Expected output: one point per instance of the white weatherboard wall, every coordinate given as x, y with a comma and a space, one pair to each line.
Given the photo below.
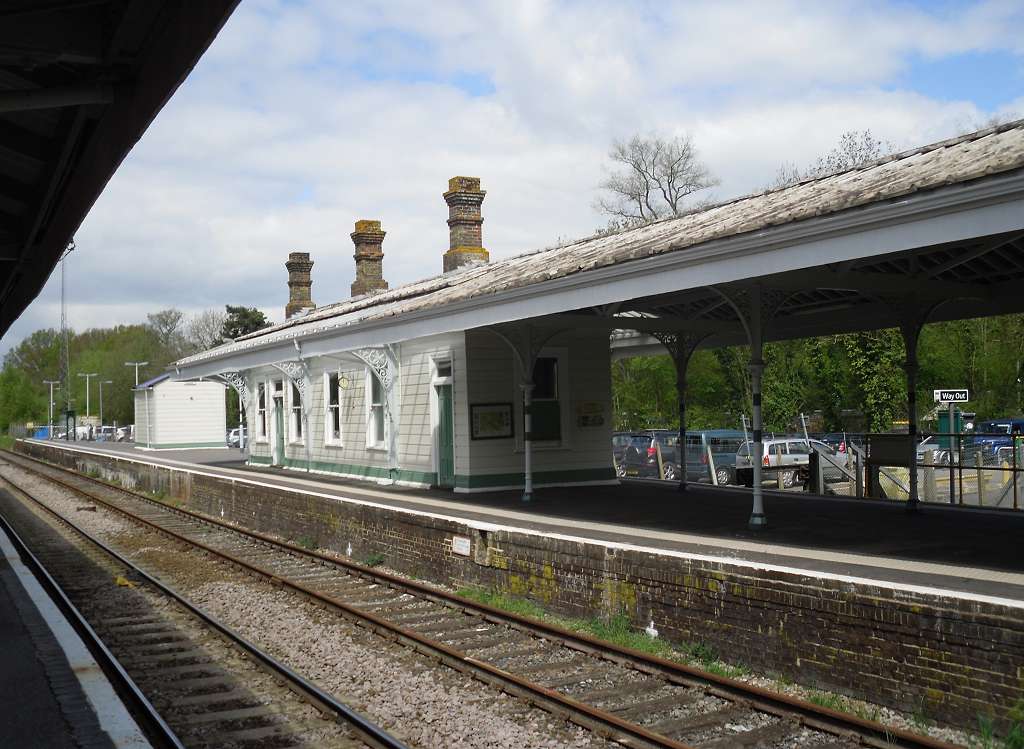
584, 453
180, 415
352, 457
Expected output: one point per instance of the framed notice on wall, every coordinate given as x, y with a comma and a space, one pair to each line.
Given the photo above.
490, 421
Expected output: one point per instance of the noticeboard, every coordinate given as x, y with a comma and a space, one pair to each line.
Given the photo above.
891, 450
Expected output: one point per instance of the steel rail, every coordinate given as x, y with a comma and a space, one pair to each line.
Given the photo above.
871, 733
367, 731
555, 702
139, 706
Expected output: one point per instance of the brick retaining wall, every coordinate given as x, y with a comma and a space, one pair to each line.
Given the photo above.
949, 658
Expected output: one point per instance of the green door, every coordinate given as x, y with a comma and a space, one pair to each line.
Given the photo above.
278, 432
445, 438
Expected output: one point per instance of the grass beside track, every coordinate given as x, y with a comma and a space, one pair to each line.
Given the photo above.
618, 630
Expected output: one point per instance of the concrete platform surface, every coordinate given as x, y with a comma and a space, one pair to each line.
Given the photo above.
52, 692
950, 550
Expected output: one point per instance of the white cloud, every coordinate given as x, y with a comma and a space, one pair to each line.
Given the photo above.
303, 118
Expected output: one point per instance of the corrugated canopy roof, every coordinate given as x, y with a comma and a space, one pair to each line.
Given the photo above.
958, 160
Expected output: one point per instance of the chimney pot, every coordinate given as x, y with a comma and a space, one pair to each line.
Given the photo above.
369, 258
464, 197
299, 284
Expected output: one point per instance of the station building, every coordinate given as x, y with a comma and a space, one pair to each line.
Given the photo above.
497, 374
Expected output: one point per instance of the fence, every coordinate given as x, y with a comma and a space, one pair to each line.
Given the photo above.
969, 468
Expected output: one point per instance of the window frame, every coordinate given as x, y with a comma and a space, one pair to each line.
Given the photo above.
295, 434
262, 426
330, 440
561, 354
372, 443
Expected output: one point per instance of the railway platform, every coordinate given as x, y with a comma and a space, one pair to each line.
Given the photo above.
939, 549
52, 691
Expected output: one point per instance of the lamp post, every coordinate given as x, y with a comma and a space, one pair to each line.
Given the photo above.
136, 364
52, 384
87, 376
102, 383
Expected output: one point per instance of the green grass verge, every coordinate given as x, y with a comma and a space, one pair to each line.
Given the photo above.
6, 442
616, 630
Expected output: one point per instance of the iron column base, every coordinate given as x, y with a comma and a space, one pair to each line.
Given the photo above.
758, 522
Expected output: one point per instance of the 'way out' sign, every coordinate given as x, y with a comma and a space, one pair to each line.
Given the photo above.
950, 396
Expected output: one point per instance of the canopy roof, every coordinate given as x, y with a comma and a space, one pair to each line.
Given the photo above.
79, 84
663, 273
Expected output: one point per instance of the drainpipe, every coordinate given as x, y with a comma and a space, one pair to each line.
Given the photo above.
149, 423
527, 440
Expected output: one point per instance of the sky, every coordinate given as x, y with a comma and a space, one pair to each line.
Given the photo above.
304, 117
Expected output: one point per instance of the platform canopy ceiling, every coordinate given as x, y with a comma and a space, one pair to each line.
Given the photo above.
80, 81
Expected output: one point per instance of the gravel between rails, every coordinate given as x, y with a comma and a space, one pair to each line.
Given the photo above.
425, 704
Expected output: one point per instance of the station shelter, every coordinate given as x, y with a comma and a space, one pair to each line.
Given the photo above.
497, 374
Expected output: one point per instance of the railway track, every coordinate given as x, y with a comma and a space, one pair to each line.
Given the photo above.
626, 696
191, 680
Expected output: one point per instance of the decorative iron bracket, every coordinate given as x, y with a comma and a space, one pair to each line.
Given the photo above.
298, 373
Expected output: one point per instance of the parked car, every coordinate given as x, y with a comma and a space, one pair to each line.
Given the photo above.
237, 437
723, 444
995, 438
106, 434
640, 456
126, 433
620, 441
788, 456
840, 442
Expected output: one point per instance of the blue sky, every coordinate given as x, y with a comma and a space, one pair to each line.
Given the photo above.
304, 117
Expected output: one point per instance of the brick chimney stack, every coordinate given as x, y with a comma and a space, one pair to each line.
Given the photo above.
464, 197
299, 300
369, 256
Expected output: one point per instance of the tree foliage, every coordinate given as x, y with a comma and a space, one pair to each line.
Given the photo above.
651, 178
855, 148
242, 320
165, 337
855, 380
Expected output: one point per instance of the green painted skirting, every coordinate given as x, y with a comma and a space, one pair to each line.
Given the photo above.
579, 475
351, 469
479, 481
179, 445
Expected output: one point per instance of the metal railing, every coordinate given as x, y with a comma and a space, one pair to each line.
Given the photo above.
981, 469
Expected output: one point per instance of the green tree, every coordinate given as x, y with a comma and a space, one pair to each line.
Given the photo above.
242, 320
875, 360
20, 400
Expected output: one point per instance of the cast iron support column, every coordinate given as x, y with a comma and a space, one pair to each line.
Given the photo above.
527, 439
758, 519
681, 347
910, 365
681, 447
911, 316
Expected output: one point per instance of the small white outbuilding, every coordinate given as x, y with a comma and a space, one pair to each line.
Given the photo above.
172, 415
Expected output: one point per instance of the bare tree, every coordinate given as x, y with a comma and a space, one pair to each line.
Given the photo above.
855, 148
203, 330
166, 325
652, 178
